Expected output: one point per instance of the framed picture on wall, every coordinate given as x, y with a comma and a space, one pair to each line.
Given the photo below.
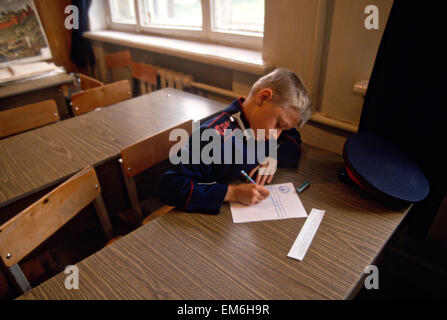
22, 37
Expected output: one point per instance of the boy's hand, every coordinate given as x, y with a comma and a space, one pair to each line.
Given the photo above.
246, 193
266, 171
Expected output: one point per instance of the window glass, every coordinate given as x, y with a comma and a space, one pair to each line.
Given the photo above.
123, 11
238, 15
182, 13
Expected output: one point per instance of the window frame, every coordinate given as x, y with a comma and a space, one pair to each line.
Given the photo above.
206, 33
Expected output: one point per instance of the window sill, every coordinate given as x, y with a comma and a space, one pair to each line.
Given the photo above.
244, 60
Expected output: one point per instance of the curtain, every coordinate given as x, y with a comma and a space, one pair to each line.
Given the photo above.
405, 101
81, 49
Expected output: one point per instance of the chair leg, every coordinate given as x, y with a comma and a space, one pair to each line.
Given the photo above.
133, 196
103, 216
17, 274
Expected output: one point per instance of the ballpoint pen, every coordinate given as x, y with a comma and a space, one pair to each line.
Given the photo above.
302, 187
246, 176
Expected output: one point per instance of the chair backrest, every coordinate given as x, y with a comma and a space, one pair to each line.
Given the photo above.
147, 76
150, 151
143, 155
82, 82
23, 233
119, 59
88, 82
103, 96
28, 117
118, 64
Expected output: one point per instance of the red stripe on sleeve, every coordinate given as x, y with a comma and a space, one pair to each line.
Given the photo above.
296, 143
190, 194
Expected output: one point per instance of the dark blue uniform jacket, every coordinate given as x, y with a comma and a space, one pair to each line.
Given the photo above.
202, 187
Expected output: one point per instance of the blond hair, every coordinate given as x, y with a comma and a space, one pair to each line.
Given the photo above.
288, 91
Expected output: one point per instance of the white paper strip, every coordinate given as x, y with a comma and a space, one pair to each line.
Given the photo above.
306, 235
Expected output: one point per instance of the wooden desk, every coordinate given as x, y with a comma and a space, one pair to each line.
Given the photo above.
197, 256
39, 158
31, 91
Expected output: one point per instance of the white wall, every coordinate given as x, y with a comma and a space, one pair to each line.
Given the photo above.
326, 43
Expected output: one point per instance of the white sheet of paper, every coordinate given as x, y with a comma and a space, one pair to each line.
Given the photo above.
25, 71
283, 203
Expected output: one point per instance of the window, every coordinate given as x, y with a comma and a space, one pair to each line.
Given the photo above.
239, 22
123, 11
184, 13
239, 15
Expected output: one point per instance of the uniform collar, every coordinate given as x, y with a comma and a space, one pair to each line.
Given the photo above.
241, 119
238, 103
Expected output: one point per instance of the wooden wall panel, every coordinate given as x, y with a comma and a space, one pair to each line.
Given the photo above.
52, 16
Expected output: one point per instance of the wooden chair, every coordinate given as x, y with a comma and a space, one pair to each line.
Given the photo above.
103, 96
81, 82
146, 75
26, 231
88, 82
28, 117
119, 64
143, 155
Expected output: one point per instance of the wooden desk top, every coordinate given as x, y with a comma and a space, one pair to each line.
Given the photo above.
198, 256
32, 85
37, 159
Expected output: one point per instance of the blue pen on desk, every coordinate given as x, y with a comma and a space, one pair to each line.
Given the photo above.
246, 176
303, 186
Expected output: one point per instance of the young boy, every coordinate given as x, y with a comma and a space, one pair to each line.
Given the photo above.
278, 102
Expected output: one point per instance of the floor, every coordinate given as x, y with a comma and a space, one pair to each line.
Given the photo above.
410, 269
